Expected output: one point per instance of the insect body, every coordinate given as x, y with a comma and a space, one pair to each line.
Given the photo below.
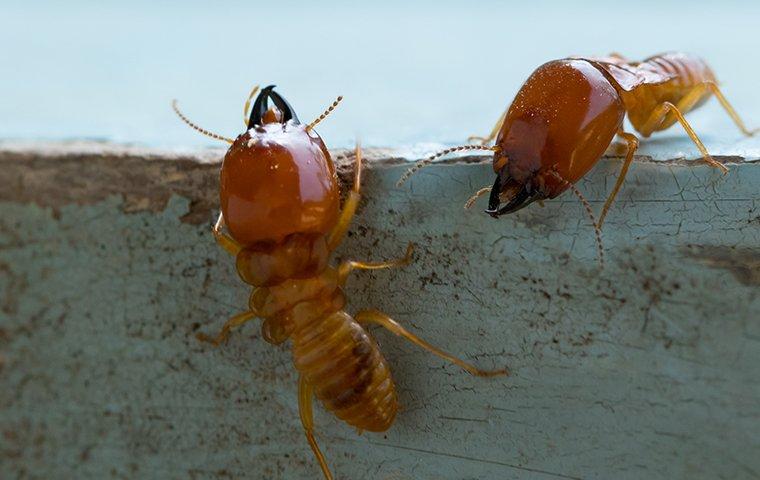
280, 203
568, 112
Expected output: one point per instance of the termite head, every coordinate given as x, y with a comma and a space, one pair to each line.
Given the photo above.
277, 177
279, 191
560, 123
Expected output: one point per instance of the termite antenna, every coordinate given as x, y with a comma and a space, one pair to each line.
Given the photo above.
325, 114
587, 206
597, 230
247, 105
471, 201
196, 127
424, 163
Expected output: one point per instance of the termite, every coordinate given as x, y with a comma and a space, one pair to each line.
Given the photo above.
567, 113
280, 206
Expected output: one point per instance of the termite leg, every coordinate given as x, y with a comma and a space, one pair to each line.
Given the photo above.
349, 207
225, 241
305, 395
224, 333
379, 318
347, 267
664, 117
730, 110
633, 144
494, 131
658, 119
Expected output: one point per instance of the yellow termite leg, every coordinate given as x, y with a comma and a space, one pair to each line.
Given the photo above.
694, 138
224, 333
379, 318
225, 241
730, 110
471, 201
633, 144
494, 131
658, 120
349, 207
347, 267
305, 395
664, 117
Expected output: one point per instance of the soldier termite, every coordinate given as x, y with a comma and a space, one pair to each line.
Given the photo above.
280, 204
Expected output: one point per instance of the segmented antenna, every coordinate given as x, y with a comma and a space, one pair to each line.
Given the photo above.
196, 127
325, 114
587, 206
247, 105
423, 163
471, 201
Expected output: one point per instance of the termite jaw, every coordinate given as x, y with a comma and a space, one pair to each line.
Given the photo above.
262, 113
514, 195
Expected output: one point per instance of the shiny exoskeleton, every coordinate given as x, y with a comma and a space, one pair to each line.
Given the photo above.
281, 206
568, 112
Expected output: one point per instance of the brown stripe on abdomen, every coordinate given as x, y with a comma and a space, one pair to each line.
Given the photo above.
686, 70
348, 372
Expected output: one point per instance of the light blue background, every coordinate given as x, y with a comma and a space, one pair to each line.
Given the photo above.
429, 72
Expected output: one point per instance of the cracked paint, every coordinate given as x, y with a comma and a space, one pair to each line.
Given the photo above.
631, 372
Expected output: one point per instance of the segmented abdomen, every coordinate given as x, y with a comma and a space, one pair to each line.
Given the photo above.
348, 372
330, 349
646, 86
683, 70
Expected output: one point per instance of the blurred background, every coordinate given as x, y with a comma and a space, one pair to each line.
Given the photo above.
432, 71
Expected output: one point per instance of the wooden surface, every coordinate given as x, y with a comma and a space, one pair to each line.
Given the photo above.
648, 369
420, 72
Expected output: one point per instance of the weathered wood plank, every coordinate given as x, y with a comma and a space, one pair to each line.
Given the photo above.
648, 369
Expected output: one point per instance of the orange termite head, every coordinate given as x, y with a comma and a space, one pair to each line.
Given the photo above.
558, 126
277, 177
